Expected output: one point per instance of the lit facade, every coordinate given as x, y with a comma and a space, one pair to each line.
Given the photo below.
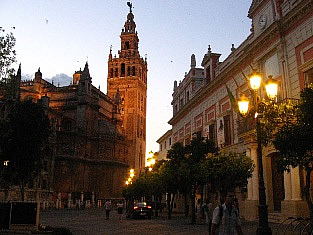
165, 144
281, 45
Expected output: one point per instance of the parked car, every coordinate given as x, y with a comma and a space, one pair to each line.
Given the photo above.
142, 210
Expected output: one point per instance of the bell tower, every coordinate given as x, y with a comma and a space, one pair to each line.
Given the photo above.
127, 76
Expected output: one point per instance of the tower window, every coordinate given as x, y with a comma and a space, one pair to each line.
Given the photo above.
116, 72
111, 73
126, 45
128, 71
123, 70
134, 71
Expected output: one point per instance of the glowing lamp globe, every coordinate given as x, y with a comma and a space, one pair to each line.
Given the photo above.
255, 80
271, 88
243, 105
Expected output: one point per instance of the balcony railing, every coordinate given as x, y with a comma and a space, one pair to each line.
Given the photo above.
246, 125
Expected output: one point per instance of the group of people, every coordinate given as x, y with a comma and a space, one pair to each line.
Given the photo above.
108, 208
224, 219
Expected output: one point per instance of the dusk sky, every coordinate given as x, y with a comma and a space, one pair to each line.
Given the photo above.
59, 36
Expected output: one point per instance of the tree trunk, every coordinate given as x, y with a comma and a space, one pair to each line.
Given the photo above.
186, 205
168, 202
22, 189
201, 195
160, 203
156, 214
193, 208
172, 201
307, 192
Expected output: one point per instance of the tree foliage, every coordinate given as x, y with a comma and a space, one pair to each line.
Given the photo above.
226, 171
7, 54
190, 167
295, 142
24, 138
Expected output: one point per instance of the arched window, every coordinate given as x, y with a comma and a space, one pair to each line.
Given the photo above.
126, 45
123, 70
134, 71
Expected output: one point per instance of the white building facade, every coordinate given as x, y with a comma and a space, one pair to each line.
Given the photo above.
281, 45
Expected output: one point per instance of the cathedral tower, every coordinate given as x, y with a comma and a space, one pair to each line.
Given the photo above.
127, 76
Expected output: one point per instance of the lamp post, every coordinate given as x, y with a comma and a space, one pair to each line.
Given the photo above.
131, 176
150, 161
243, 104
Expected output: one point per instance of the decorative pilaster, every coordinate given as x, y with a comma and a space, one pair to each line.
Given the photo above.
295, 183
287, 185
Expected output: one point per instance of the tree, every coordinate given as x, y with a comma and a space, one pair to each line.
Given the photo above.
294, 141
226, 171
7, 55
24, 141
196, 155
175, 175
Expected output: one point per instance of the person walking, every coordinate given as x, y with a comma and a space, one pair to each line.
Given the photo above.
120, 206
108, 208
198, 212
226, 218
210, 215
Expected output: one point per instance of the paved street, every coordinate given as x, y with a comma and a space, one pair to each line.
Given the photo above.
92, 221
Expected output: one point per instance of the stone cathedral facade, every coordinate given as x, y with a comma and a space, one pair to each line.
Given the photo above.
96, 137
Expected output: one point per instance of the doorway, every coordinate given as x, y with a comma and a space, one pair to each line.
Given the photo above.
277, 182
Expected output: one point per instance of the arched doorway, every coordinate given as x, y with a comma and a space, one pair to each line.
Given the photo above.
277, 183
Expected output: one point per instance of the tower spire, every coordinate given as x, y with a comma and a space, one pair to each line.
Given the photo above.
130, 25
130, 6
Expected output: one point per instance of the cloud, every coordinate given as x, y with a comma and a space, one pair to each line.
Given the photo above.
27, 77
62, 79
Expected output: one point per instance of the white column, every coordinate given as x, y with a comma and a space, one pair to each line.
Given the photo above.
287, 185
295, 184
255, 177
250, 188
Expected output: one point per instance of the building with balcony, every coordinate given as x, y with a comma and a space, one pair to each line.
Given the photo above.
280, 45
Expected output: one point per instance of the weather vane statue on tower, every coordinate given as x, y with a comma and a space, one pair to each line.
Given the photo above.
130, 6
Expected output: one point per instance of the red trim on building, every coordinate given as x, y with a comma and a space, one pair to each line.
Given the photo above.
308, 56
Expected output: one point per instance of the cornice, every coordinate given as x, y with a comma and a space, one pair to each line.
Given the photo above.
250, 51
303, 8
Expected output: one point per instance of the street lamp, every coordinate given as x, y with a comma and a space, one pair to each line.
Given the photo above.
131, 176
150, 161
271, 88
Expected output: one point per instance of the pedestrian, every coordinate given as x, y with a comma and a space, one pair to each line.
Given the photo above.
226, 218
198, 211
204, 210
236, 204
120, 206
210, 215
108, 208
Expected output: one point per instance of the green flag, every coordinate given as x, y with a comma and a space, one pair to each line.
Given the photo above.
232, 99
